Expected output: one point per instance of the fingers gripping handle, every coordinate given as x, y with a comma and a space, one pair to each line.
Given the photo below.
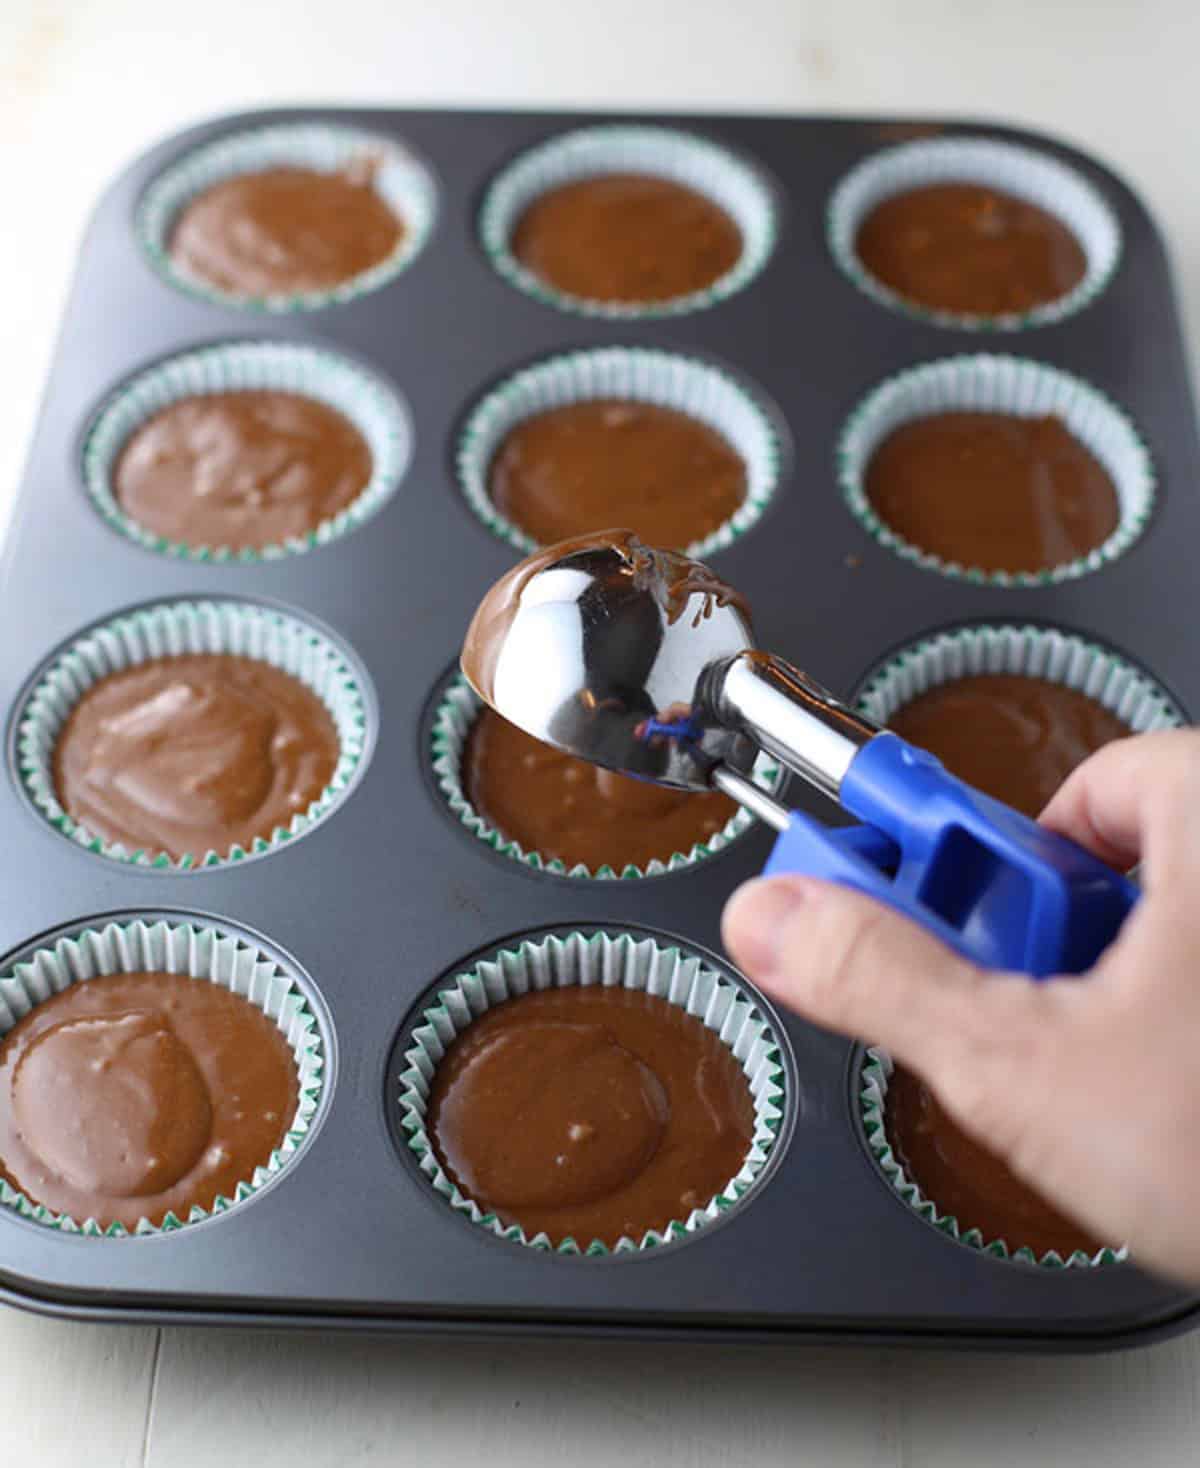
859, 857
983, 878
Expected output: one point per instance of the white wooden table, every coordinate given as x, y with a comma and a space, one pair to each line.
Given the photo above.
85, 84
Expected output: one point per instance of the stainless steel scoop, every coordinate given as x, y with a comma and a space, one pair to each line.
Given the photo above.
644, 662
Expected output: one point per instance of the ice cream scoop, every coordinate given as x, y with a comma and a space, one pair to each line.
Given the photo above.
643, 661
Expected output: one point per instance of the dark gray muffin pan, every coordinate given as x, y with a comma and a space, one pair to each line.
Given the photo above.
392, 893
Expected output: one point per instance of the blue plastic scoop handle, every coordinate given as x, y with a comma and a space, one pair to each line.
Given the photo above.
985, 879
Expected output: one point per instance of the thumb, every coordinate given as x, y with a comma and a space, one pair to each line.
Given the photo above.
848, 962
984, 1041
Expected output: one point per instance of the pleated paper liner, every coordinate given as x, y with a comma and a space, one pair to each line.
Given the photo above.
1034, 652
637, 374
401, 180
208, 955
615, 960
679, 157
173, 629
1010, 168
1023, 389
242, 366
872, 1093
453, 719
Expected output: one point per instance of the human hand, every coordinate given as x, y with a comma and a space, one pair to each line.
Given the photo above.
1088, 1086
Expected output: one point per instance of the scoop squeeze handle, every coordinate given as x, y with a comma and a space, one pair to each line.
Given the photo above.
982, 877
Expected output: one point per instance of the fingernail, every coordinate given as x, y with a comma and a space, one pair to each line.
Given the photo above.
754, 921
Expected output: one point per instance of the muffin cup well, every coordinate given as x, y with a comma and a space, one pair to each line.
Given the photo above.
1023, 389
873, 1079
1035, 177
641, 375
171, 629
615, 961
680, 157
250, 366
401, 181
207, 955
457, 711
1025, 651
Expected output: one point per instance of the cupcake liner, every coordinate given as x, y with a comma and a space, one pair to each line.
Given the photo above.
1032, 652
1023, 172
366, 400
170, 629
403, 183
1024, 389
615, 961
873, 1083
208, 955
641, 375
457, 711
678, 156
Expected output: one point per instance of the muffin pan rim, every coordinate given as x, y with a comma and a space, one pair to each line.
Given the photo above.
493, 399
842, 248
273, 125
1173, 708
327, 804
96, 472
851, 487
772, 776
870, 1114
724, 971
494, 227
324, 1047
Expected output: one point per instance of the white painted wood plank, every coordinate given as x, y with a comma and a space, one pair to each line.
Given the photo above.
273, 1401
1134, 1408
71, 1393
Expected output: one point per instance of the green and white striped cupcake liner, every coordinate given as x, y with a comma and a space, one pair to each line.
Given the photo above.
244, 366
401, 180
1024, 651
208, 955
681, 157
638, 374
1035, 177
1023, 389
173, 629
456, 713
614, 960
873, 1080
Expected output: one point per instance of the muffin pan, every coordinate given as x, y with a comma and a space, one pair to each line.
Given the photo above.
390, 899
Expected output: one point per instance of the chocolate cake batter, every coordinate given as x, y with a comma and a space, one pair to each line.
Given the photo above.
1012, 737
970, 249
136, 1095
992, 491
567, 808
192, 754
626, 237
963, 1178
286, 231
590, 1113
584, 466
241, 470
